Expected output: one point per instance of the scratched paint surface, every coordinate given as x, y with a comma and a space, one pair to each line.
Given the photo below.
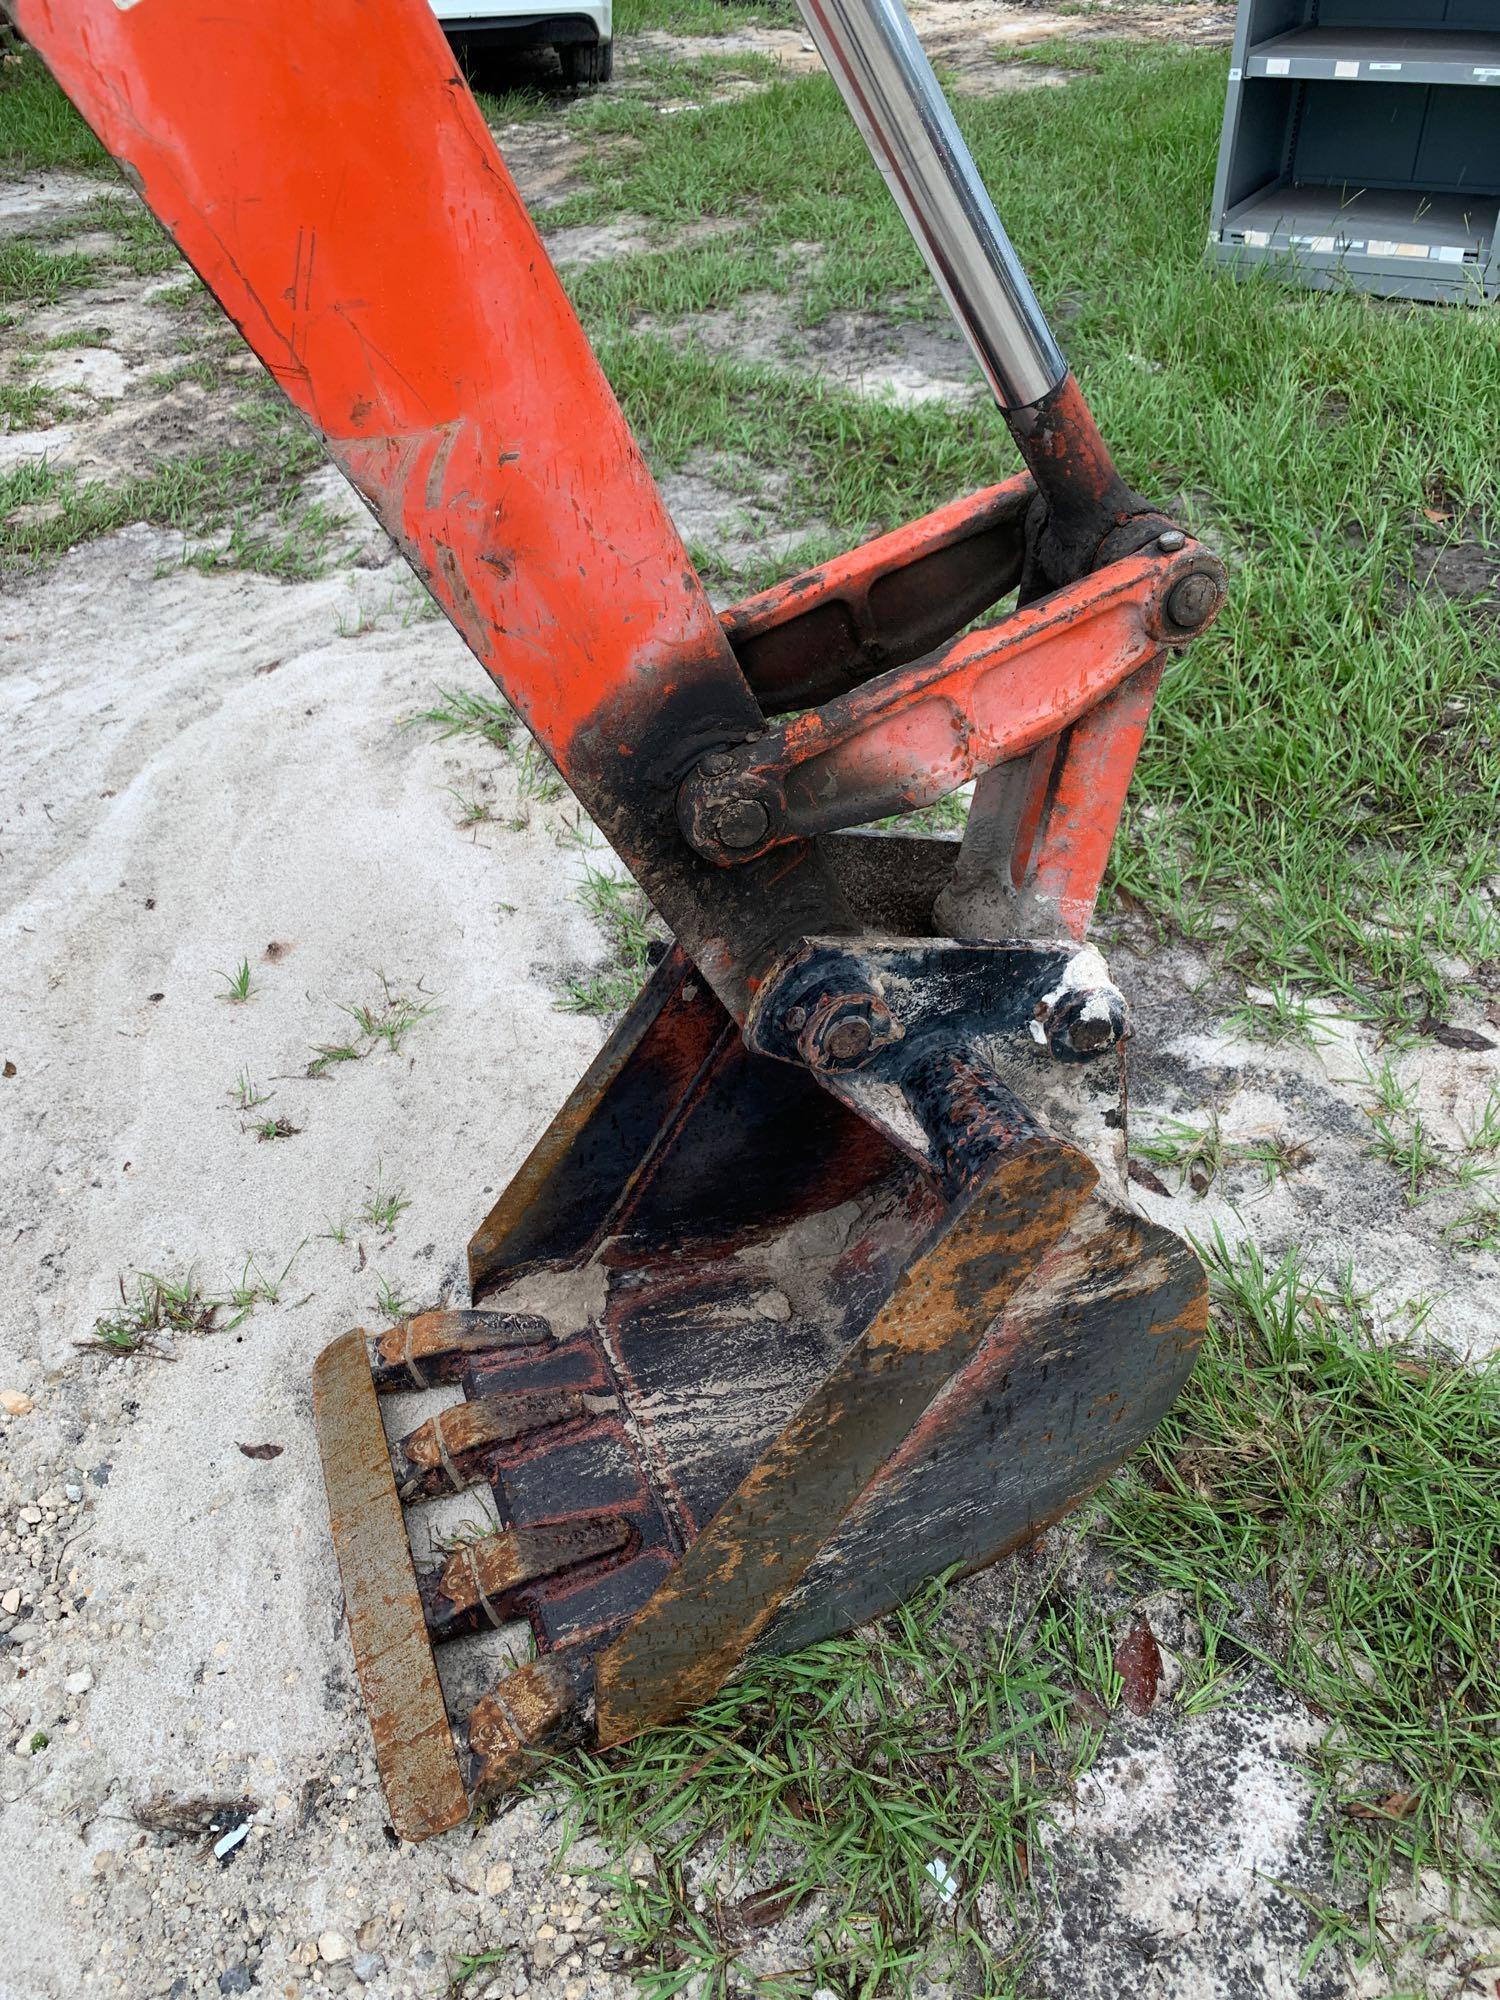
326, 172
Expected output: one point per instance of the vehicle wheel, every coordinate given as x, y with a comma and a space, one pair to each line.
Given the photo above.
587, 64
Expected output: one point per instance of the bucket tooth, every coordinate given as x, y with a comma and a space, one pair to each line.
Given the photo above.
511, 1730
453, 1450
433, 1347
484, 1582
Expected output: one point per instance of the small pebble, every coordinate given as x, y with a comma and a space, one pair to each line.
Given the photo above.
16, 1403
79, 1683
333, 1947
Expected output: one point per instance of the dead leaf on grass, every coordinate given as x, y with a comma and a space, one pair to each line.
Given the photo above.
1395, 1805
1138, 1663
1450, 1037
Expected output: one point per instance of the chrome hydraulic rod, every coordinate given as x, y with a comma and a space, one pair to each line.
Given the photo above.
884, 77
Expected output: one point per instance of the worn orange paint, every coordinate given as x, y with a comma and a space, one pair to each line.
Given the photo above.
326, 172
1087, 796
916, 733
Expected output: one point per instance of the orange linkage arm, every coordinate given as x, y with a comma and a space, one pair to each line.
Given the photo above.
909, 737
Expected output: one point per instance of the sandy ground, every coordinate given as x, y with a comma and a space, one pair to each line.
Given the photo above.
201, 769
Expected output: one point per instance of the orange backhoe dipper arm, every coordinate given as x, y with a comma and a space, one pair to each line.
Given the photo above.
326, 172
855, 1316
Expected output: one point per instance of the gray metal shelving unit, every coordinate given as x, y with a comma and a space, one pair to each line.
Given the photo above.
1361, 146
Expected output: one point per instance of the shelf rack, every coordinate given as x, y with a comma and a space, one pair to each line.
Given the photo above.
1361, 146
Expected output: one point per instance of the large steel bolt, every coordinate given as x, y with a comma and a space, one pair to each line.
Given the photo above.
741, 823
1193, 600
841, 1030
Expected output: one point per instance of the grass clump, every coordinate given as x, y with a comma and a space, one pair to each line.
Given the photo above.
275, 1128
32, 276
384, 1206
152, 1317
383, 1023
459, 712
38, 126
884, 1782
1200, 1153
702, 17
251, 494
632, 930
1350, 1493
238, 985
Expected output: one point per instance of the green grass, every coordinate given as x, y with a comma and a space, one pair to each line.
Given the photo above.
247, 1094
382, 1023
390, 1301
1334, 1503
1328, 1505
158, 1310
844, 1773
24, 405
38, 126
462, 712
238, 985
621, 910
1200, 1153
702, 17
32, 276
1304, 433
251, 493
383, 1207
275, 1128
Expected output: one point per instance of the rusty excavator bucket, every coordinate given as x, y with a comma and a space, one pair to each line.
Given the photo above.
796, 1303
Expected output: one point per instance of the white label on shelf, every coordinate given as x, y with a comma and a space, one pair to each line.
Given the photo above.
1257, 238
1278, 65
1447, 253
1378, 247
1408, 249
1486, 75
1343, 70
1393, 68
1236, 75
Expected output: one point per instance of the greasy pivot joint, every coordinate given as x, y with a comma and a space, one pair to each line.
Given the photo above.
842, 1030
722, 811
1081, 1022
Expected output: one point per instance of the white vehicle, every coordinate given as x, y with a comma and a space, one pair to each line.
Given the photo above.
580, 30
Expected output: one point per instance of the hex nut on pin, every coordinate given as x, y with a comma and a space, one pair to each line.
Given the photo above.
740, 823
841, 1030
